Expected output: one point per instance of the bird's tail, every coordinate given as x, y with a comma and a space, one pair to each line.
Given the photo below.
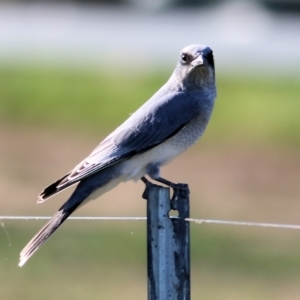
40, 238
88, 189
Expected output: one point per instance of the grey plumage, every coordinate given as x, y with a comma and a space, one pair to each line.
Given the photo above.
161, 129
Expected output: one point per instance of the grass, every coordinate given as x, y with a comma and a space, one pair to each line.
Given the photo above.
247, 109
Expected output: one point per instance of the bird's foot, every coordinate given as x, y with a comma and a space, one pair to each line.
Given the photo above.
179, 190
148, 185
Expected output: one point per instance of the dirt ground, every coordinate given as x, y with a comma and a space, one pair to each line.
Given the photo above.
234, 182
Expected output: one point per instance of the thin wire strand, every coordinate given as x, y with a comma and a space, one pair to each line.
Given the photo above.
197, 221
74, 218
237, 223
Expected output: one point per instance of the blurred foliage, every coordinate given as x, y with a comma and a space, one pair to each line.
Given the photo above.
248, 108
80, 99
259, 109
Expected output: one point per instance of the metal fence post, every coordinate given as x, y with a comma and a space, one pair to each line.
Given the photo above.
168, 245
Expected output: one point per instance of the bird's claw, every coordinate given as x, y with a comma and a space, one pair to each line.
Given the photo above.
179, 189
148, 184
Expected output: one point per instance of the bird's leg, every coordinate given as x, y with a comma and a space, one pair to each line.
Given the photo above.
166, 182
148, 184
178, 189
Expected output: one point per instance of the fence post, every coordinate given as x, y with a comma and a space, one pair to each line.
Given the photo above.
168, 245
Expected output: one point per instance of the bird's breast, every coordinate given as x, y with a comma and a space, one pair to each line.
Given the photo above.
163, 153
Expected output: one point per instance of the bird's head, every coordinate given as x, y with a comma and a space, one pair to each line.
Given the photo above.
195, 69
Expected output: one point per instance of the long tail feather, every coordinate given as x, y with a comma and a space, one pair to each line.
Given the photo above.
40, 238
95, 186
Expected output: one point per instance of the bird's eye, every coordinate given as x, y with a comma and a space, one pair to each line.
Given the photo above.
184, 57
210, 58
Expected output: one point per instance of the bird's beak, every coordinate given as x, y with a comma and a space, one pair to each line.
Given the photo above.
198, 61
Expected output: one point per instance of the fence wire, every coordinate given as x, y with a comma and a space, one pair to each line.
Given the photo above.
192, 220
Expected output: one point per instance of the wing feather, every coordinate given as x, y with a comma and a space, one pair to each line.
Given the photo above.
156, 121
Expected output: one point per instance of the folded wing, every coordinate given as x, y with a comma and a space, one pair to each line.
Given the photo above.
156, 121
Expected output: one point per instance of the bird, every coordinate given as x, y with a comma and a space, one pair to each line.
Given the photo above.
166, 125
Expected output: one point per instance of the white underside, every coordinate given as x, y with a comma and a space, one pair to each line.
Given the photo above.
135, 168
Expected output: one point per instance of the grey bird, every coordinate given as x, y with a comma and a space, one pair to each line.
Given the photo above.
166, 125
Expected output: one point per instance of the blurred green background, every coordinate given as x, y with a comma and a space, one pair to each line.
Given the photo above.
70, 74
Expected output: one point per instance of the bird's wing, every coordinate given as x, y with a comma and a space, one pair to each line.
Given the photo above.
156, 121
